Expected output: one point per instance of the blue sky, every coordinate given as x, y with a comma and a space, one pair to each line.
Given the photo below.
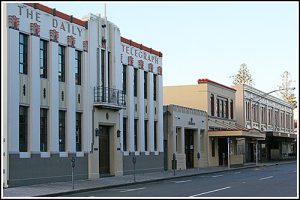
209, 39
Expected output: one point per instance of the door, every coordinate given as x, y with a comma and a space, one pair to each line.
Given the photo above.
223, 151
189, 148
104, 150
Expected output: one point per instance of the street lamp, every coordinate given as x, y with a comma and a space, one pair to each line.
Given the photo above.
293, 88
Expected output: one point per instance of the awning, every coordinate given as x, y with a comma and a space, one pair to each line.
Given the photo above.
249, 133
283, 135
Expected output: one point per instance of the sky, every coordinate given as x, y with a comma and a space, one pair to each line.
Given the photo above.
209, 39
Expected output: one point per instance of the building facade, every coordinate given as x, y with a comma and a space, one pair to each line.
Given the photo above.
273, 116
225, 134
76, 88
185, 137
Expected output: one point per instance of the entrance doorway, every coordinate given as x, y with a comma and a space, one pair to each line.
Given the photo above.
251, 152
104, 151
223, 151
189, 148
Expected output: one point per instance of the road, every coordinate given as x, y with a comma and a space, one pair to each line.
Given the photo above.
269, 181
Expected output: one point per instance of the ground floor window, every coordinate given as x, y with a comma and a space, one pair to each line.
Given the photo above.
23, 129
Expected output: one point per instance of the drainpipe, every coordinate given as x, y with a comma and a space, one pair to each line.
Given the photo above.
92, 145
228, 150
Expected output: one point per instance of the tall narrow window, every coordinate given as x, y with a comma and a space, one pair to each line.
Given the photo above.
124, 79
222, 108
43, 130
135, 82
77, 67
124, 134
62, 138
218, 107
212, 105
23, 49
23, 128
145, 85
226, 109
231, 109
78, 132
61, 63
146, 135
43, 58
102, 71
154, 87
135, 134
155, 135
108, 70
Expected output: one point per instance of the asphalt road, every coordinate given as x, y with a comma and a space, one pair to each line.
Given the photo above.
270, 181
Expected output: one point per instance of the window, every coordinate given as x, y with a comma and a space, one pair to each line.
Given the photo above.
155, 135
135, 134
218, 107
43, 59
145, 85
222, 108
23, 49
226, 109
102, 72
135, 82
43, 130
23, 128
108, 70
61, 63
231, 109
154, 87
270, 115
282, 120
77, 67
62, 139
247, 111
212, 105
124, 79
78, 131
146, 136
124, 134
213, 148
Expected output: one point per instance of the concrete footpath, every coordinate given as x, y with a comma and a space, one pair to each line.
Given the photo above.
62, 188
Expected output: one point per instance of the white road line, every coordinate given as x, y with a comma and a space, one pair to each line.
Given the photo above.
210, 191
266, 178
129, 190
237, 172
182, 181
217, 175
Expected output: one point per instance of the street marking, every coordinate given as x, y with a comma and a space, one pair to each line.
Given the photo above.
266, 177
244, 182
237, 172
210, 191
133, 189
217, 175
295, 171
182, 181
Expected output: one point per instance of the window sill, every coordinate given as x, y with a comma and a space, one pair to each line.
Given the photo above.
79, 154
25, 155
63, 154
45, 154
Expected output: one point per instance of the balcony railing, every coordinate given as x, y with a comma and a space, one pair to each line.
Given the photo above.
109, 97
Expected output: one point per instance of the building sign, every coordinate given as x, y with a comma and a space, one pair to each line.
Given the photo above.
139, 54
60, 25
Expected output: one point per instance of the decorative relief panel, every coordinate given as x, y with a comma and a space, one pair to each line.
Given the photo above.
54, 35
71, 41
13, 22
85, 46
35, 29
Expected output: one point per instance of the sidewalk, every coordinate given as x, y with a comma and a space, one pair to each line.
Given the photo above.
60, 188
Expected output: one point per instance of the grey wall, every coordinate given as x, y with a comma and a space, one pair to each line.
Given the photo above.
35, 170
144, 163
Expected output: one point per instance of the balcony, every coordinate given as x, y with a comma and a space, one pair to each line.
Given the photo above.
109, 98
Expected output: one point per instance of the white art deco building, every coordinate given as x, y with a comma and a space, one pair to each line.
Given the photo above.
76, 88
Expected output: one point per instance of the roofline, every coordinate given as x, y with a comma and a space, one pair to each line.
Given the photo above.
57, 13
140, 46
206, 80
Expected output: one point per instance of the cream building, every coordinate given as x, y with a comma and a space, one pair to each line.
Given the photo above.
185, 136
76, 88
271, 115
219, 102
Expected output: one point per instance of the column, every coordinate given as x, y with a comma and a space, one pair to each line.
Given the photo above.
13, 90
71, 101
181, 140
87, 100
130, 107
197, 148
34, 80
150, 112
54, 98
141, 110
159, 107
